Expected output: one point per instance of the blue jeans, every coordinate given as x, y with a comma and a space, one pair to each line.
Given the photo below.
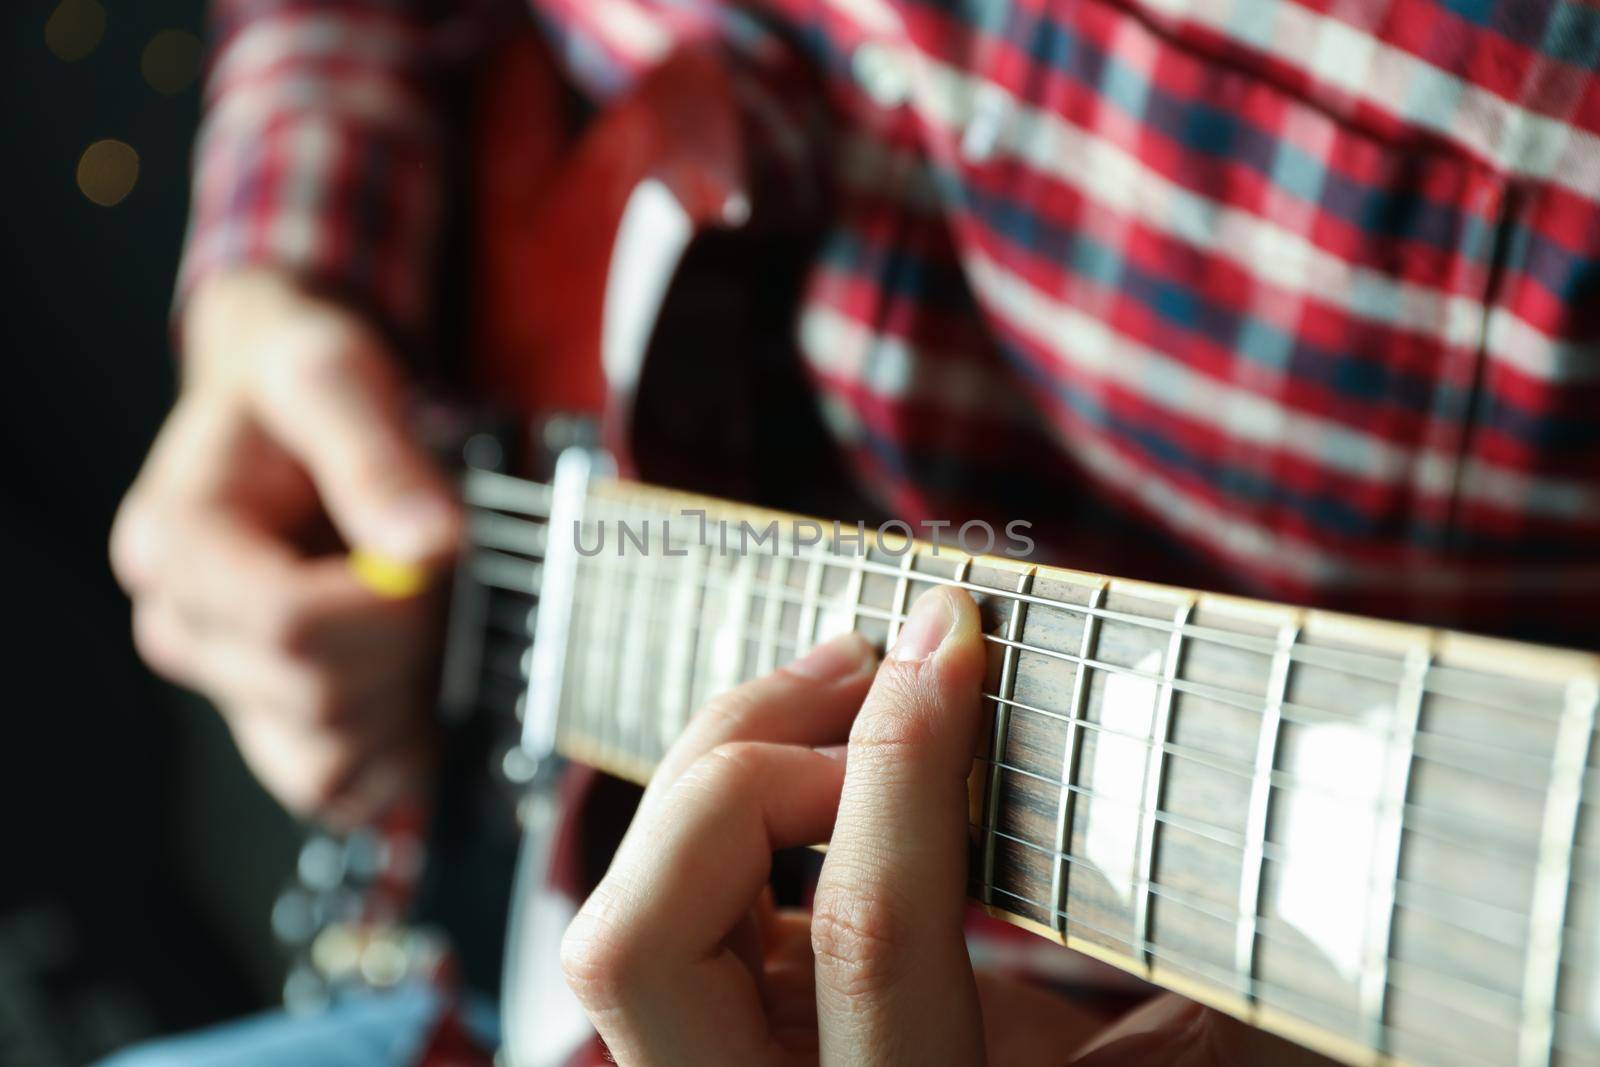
359, 1030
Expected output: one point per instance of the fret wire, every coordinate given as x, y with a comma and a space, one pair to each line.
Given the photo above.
714, 588
625, 710
1384, 668
1469, 837
1279, 779
1289, 712
698, 576
1154, 779
661, 621
613, 601
1002, 718
1060, 883
1223, 764
1288, 780
628, 729
1221, 835
1253, 868
586, 596
1215, 973
853, 589
575, 684
806, 635
631, 715
1295, 713
788, 638
737, 618
902, 589
1429, 746
644, 666
1487, 911
1210, 910
592, 595
772, 612
1280, 995
593, 664
611, 625
1426, 685
1156, 890
1553, 877
1388, 843
1244, 642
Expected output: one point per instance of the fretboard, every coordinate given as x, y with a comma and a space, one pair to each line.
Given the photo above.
1373, 839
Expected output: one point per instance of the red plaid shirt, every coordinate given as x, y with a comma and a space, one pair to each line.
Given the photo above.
1309, 291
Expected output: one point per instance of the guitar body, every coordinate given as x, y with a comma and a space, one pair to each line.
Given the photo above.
602, 263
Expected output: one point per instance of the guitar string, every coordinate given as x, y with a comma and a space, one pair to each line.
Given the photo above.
1487, 912
1218, 912
1490, 913
1266, 935
1470, 839
527, 579
1265, 993
768, 591
1211, 910
1231, 980
1388, 668
1508, 844
1467, 842
1239, 699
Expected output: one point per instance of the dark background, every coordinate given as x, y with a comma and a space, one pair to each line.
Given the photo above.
139, 859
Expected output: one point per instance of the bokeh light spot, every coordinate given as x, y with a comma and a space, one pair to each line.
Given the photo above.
171, 61
74, 29
108, 172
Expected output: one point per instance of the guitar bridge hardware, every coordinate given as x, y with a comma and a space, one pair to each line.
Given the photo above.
575, 468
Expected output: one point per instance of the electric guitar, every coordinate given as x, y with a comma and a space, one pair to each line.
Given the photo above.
1374, 839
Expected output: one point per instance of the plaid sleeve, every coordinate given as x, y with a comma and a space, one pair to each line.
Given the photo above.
320, 147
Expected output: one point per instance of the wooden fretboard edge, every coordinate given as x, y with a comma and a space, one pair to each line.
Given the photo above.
1450, 648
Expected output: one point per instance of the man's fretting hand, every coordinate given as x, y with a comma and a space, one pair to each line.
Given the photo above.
291, 416
679, 957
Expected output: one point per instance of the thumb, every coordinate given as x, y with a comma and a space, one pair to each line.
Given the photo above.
328, 391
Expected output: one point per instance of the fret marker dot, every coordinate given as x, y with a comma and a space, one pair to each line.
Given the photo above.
107, 172
74, 29
171, 61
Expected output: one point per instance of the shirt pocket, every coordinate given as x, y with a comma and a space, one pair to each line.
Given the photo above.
1272, 307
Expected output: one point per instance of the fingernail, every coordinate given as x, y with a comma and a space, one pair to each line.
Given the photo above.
832, 660
834, 752
925, 629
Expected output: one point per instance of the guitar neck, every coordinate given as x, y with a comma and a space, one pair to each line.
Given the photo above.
1371, 838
